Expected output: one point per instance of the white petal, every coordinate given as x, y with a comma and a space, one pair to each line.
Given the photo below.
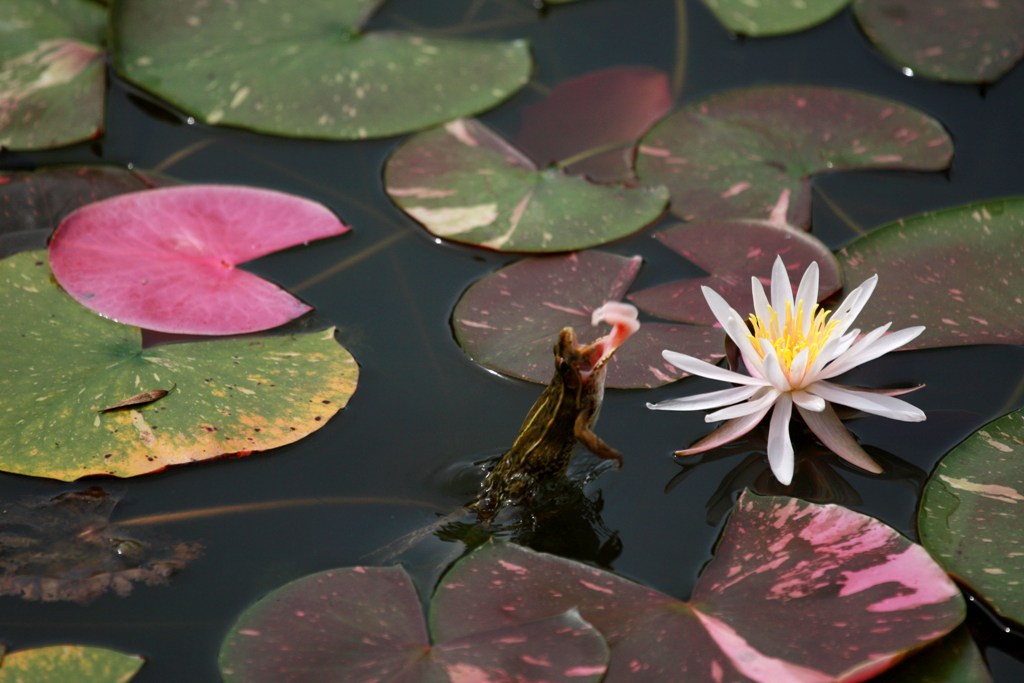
733, 326
780, 447
807, 293
782, 290
696, 366
729, 431
870, 348
798, 368
827, 427
761, 305
773, 369
807, 401
877, 404
853, 304
713, 399
753, 405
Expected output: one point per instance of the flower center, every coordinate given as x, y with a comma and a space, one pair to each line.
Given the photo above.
790, 336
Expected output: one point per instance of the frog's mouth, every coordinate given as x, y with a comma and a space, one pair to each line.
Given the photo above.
623, 319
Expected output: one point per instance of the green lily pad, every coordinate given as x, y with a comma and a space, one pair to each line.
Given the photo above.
748, 152
773, 18
52, 73
62, 663
962, 41
958, 271
62, 365
366, 624
970, 514
465, 183
509, 320
955, 658
308, 69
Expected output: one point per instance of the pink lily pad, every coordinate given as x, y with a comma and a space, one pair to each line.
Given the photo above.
595, 119
795, 592
165, 259
509, 320
730, 270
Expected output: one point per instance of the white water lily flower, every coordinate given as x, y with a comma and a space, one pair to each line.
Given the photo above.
793, 352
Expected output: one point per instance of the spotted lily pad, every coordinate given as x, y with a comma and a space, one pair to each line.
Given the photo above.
465, 183
963, 41
773, 18
741, 153
795, 592
52, 73
970, 515
509, 320
62, 365
958, 271
62, 663
730, 270
165, 259
366, 624
308, 69
66, 548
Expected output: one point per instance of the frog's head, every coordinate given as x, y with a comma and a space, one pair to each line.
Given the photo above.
580, 364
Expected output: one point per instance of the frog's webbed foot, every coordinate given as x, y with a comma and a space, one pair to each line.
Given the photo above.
586, 436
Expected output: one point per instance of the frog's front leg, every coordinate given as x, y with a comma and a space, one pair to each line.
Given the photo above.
586, 436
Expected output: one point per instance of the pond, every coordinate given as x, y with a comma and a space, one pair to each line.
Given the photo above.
395, 457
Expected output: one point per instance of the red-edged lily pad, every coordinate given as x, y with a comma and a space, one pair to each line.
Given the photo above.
970, 517
52, 73
795, 592
308, 69
963, 41
758, 243
62, 663
741, 153
958, 271
165, 259
465, 183
63, 368
509, 320
773, 18
590, 125
366, 624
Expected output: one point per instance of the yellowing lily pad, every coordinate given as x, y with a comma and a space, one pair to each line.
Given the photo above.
63, 663
958, 271
972, 512
775, 17
62, 365
745, 152
52, 73
465, 183
308, 69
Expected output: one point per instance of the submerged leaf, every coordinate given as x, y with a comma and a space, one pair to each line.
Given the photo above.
773, 18
63, 663
308, 69
61, 364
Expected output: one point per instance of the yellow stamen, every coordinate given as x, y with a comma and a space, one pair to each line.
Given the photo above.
788, 338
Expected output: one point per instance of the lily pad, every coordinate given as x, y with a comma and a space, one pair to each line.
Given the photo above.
958, 271
366, 623
955, 658
62, 663
590, 125
465, 183
165, 259
308, 69
742, 153
65, 548
795, 592
970, 514
963, 41
52, 73
730, 270
773, 18
62, 365
509, 320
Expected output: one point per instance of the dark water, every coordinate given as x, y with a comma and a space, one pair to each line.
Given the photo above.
421, 406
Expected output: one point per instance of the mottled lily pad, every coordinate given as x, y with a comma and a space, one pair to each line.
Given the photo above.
971, 514
366, 624
52, 73
63, 663
65, 548
958, 271
773, 18
308, 69
62, 365
963, 41
741, 153
165, 259
509, 320
758, 244
465, 183
795, 592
